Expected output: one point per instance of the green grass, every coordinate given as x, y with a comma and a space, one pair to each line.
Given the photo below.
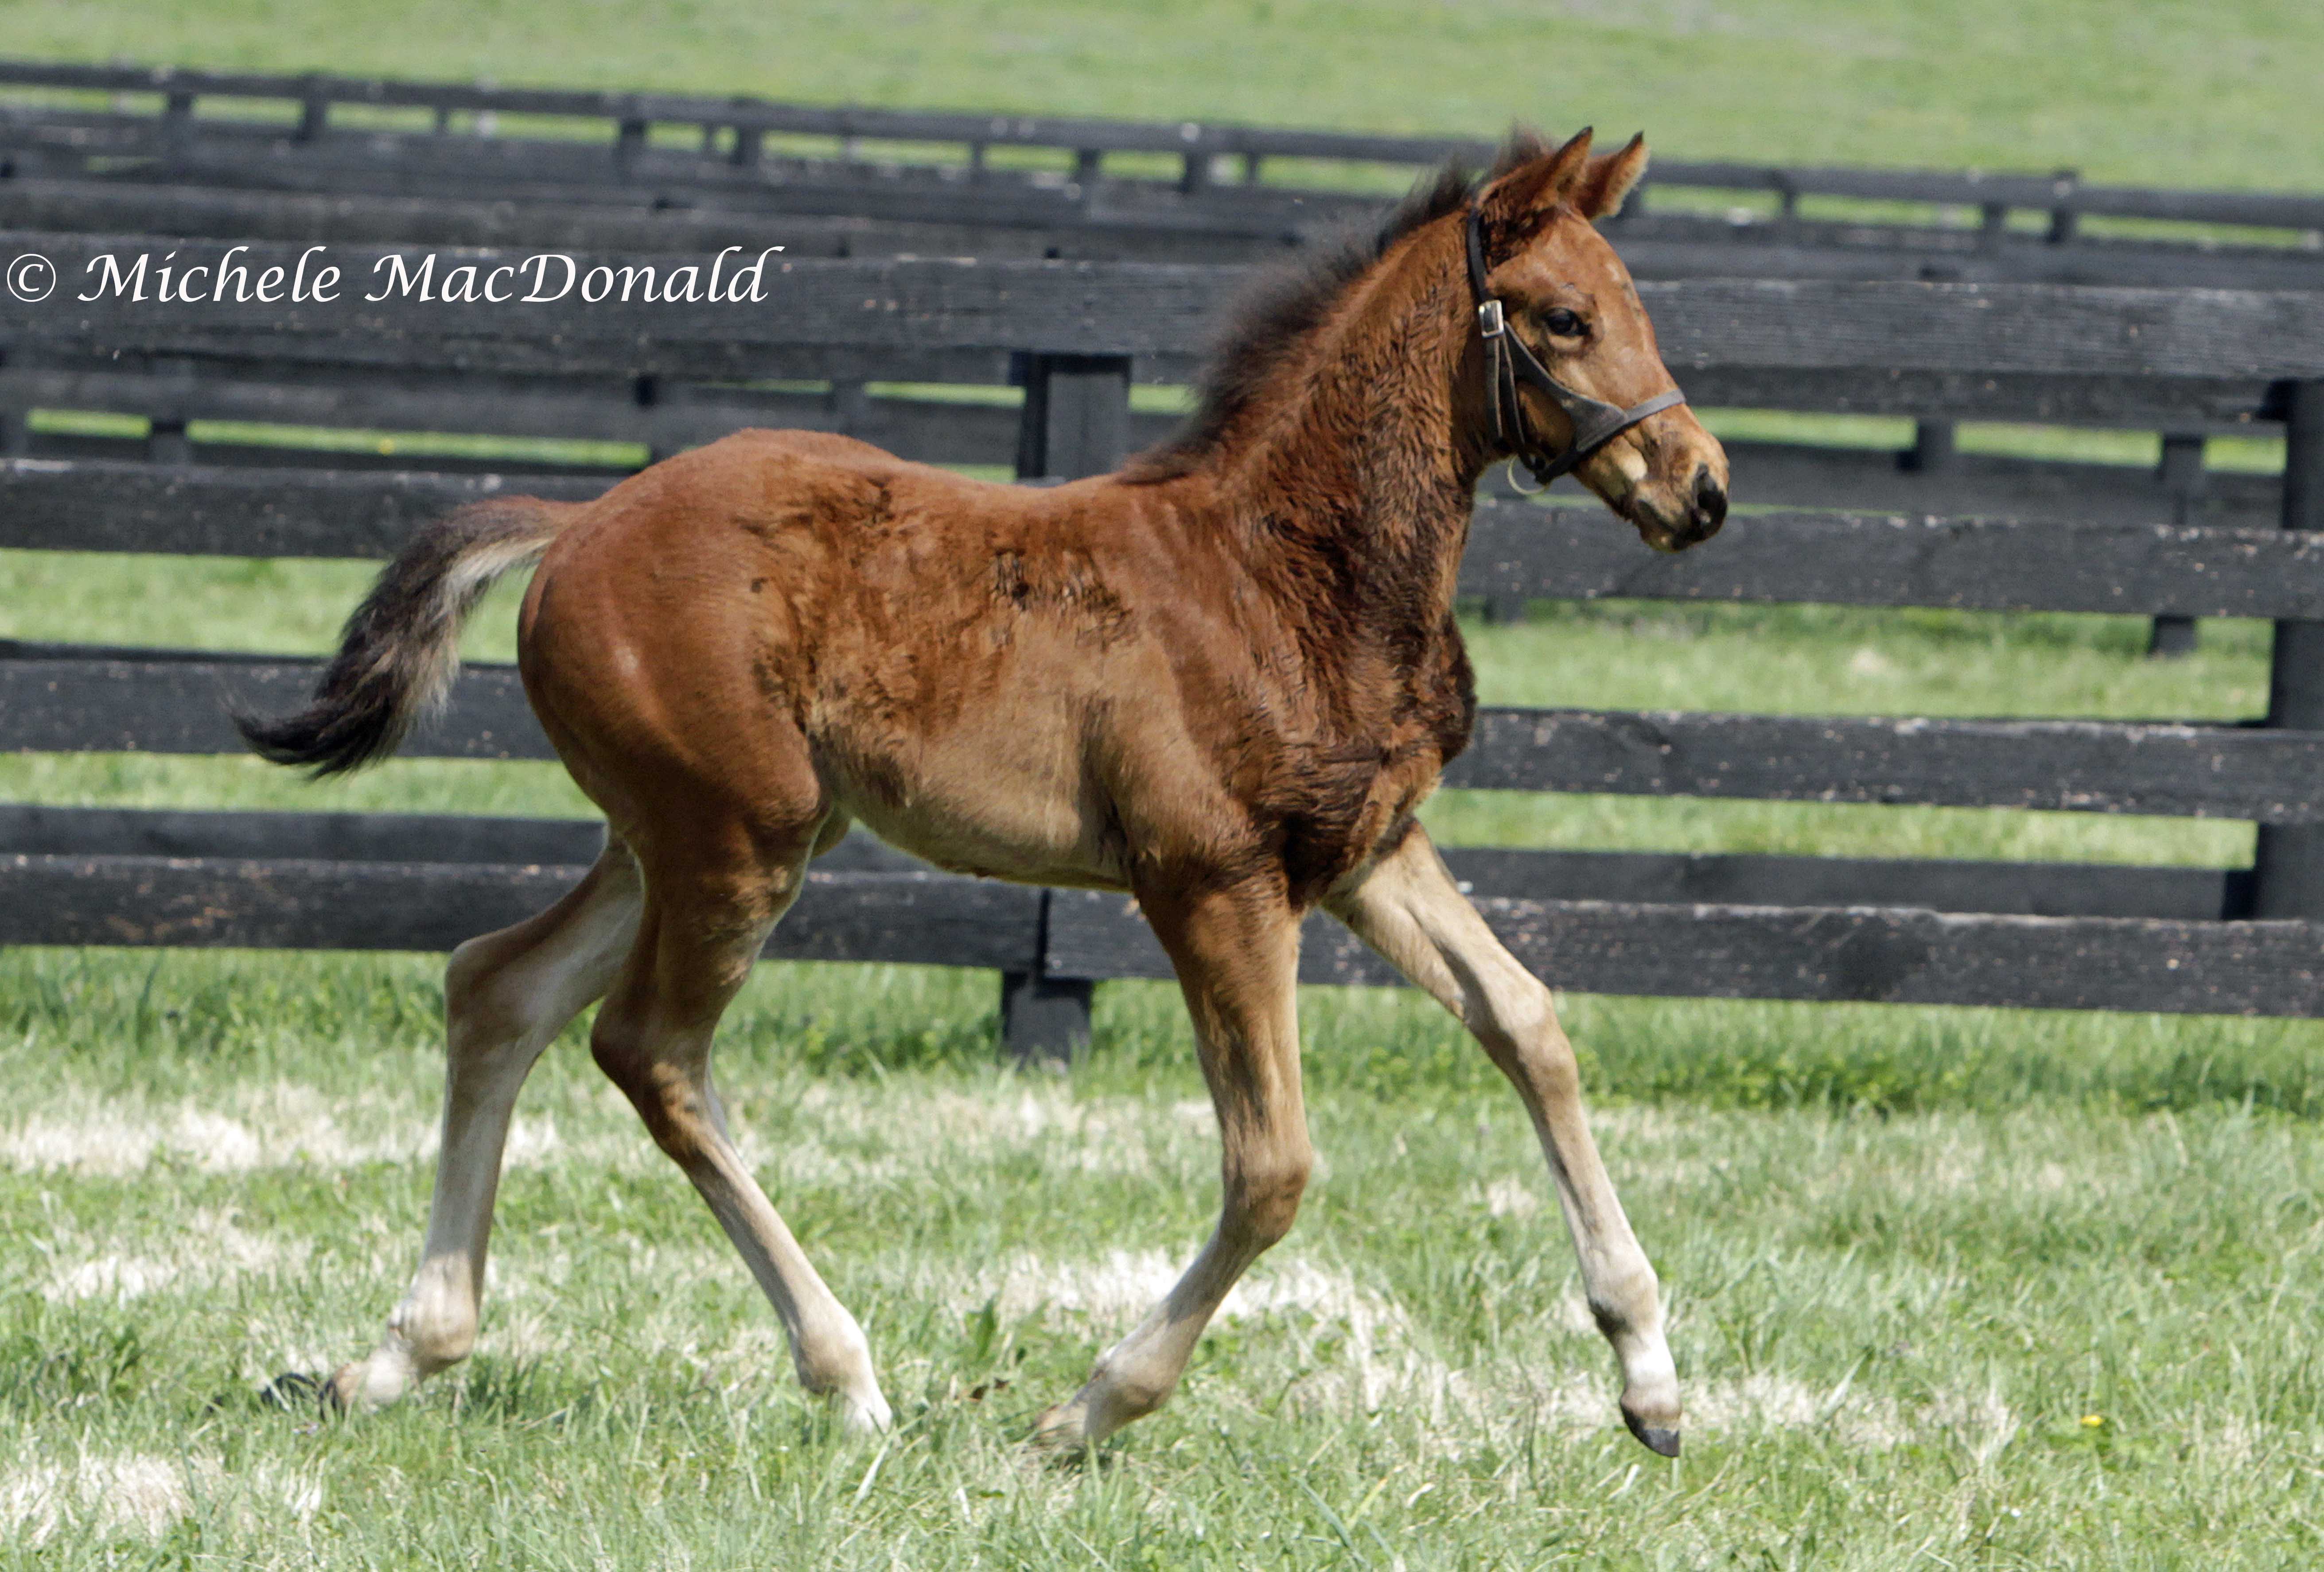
1949, 1288
2166, 92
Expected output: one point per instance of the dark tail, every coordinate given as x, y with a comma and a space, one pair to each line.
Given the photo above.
400, 649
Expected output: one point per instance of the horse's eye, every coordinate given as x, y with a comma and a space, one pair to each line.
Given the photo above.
1564, 323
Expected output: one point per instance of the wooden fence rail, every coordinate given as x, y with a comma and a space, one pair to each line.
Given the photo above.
60, 698
67, 357
914, 312
1565, 553
661, 416
1659, 246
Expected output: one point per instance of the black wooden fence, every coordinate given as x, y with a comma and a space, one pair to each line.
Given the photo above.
320, 158
2226, 939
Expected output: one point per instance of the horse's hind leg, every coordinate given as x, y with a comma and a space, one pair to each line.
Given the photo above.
708, 912
505, 996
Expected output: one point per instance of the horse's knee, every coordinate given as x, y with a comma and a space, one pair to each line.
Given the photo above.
620, 1049
1263, 1196
1519, 1031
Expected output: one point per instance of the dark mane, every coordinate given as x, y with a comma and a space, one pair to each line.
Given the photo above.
1290, 301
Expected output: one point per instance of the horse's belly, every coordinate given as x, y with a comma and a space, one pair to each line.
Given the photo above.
1001, 807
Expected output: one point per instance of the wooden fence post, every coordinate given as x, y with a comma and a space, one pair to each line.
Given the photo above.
2065, 220
1932, 447
166, 441
629, 145
2287, 870
2181, 475
1076, 418
1077, 423
851, 407
177, 121
645, 393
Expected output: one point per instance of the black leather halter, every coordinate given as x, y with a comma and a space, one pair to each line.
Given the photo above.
1507, 360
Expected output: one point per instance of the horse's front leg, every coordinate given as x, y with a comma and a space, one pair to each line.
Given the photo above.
1409, 909
1237, 954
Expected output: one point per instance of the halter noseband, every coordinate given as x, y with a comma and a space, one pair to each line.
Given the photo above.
1507, 359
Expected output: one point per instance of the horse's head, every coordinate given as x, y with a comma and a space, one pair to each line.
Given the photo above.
1566, 300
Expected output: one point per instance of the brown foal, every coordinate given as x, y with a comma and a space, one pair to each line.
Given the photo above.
1220, 679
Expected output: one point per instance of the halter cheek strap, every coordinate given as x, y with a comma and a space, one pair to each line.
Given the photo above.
1507, 361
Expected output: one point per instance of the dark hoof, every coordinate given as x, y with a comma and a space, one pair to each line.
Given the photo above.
1654, 1437
291, 1389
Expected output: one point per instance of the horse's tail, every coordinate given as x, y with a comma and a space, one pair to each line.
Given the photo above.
400, 650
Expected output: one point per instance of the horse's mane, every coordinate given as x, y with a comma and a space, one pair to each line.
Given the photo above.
1290, 301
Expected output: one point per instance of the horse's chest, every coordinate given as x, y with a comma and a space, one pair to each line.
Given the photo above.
1333, 800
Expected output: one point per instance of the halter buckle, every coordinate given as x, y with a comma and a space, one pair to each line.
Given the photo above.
1490, 321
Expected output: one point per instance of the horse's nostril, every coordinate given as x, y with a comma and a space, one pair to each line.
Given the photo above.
1710, 498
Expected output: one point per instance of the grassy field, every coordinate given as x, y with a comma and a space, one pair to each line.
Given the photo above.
2166, 91
1950, 1288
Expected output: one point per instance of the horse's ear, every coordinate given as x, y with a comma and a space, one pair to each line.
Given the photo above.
1517, 203
1599, 193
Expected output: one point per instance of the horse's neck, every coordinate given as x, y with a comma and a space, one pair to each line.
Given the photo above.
1359, 484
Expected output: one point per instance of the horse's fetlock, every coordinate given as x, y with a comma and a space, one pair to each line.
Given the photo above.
834, 1361
1131, 1395
434, 1335
1628, 1303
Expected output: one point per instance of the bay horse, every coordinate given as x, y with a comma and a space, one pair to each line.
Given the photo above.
1220, 679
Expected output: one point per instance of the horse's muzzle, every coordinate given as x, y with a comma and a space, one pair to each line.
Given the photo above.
1695, 522
1706, 508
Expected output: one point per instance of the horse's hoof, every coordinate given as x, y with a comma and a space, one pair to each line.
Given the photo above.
1657, 1438
343, 1393
1059, 1435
